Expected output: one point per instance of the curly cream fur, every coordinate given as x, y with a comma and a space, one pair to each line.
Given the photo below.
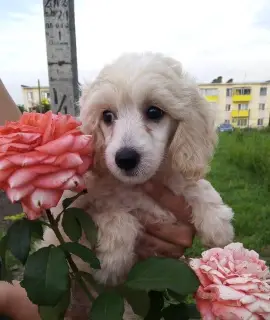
177, 151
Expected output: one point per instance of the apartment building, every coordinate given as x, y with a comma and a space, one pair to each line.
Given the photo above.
33, 96
241, 104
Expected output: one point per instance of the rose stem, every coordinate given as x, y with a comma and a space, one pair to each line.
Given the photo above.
69, 258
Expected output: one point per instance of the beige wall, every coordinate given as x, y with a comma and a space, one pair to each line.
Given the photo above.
8, 108
253, 104
34, 93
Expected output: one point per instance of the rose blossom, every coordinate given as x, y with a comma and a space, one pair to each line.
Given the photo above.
42, 155
233, 284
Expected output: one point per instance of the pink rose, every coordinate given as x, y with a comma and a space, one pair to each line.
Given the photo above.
42, 155
234, 284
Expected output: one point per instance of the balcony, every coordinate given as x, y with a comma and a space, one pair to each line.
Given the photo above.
241, 97
240, 114
213, 98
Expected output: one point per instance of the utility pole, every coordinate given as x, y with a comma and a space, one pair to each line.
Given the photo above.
39, 98
62, 55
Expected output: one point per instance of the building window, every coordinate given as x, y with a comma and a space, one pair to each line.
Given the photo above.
261, 106
30, 95
227, 107
242, 122
45, 95
209, 92
243, 106
242, 91
260, 122
226, 121
263, 91
228, 92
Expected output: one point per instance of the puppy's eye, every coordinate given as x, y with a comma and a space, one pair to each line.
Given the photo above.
154, 113
108, 117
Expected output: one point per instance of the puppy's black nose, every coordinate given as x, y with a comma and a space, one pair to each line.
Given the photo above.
127, 159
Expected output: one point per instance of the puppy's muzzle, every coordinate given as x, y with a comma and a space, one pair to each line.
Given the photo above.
127, 159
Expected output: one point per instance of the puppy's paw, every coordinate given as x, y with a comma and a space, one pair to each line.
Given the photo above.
220, 236
216, 229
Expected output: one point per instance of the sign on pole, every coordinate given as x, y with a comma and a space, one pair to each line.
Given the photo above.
62, 55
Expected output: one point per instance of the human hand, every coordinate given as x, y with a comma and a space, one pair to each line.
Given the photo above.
15, 304
166, 239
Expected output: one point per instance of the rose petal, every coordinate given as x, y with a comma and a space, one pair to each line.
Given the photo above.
21, 177
31, 214
195, 265
205, 308
48, 127
68, 160
54, 180
44, 168
87, 162
5, 164
50, 160
82, 144
44, 199
225, 312
65, 124
5, 174
19, 147
222, 292
19, 137
58, 146
259, 306
247, 287
76, 183
16, 194
27, 159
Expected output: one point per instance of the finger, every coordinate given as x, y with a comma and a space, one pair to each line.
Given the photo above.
178, 234
156, 247
164, 196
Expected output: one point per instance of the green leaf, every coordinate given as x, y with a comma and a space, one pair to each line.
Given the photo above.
86, 254
37, 231
156, 306
68, 201
176, 296
162, 273
5, 274
86, 223
19, 239
3, 246
46, 276
176, 312
138, 300
107, 306
57, 312
71, 226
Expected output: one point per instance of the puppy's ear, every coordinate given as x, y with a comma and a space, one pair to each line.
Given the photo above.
194, 140
90, 118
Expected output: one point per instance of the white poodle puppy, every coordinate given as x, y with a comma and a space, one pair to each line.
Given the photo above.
148, 120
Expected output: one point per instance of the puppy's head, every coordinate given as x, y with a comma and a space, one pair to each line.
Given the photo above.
145, 113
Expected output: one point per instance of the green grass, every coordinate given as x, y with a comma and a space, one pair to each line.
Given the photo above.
240, 171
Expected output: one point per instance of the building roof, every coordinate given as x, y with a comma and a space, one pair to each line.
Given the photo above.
34, 87
235, 83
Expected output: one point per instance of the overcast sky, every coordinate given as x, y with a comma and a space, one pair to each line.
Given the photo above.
210, 37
